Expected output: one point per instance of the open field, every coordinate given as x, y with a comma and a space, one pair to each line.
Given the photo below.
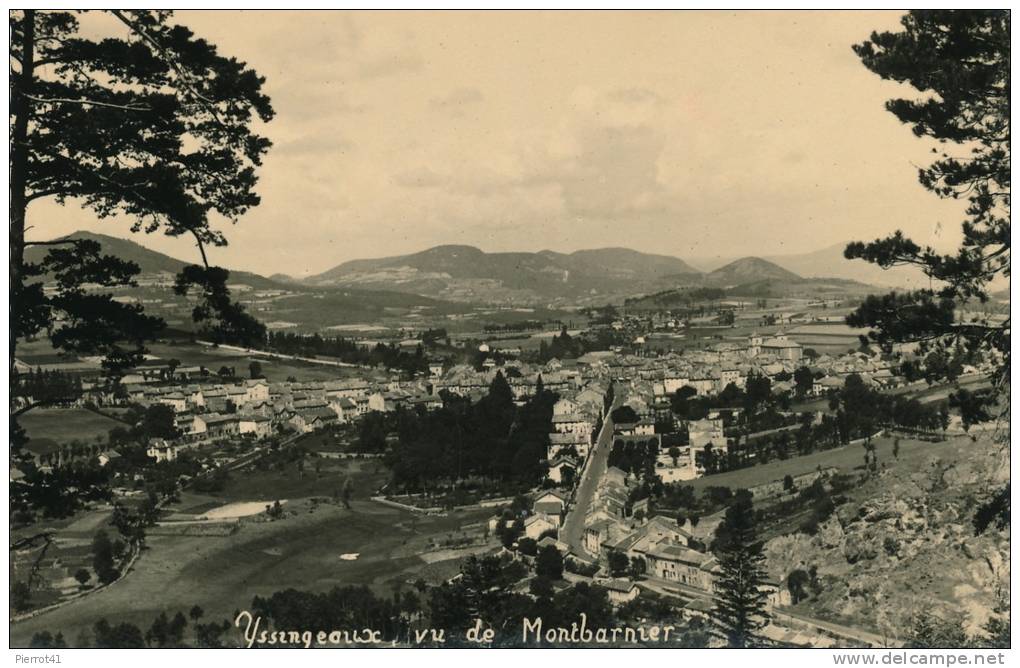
192, 562
828, 338
274, 369
326, 440
66, 424
919, 390
222, 573
845, 458
366, 476
194, 354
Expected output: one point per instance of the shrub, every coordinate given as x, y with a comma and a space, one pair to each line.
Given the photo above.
527, 546
580, 568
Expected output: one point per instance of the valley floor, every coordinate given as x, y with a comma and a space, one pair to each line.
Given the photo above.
222, 574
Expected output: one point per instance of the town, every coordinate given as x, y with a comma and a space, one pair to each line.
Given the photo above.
509, 329
625, 431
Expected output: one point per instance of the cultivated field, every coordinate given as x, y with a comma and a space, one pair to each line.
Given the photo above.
827, 338
63, 425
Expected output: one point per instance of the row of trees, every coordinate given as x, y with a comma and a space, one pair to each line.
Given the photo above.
680, 301
564, 346
517, 327
859, 410
637, 456
164, 632
37, 387
390, 356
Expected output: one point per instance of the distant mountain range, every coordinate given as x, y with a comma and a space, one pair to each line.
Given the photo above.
468, 273
461, 273
307, 306
589, 276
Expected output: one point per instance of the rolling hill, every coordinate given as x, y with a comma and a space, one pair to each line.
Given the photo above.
802, 288
466, 273
148, 261
452, 278
277, 302
749, 270
830, 263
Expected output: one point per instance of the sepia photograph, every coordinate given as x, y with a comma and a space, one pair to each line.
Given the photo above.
545, 329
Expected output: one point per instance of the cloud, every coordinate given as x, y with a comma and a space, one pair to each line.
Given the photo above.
301, 102
390, 65
419, 177
469, 180
635, 95
314, 145
585, 167
794, 157
610, 171
457, 98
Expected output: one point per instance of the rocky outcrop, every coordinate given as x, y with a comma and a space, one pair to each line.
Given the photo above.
903, 542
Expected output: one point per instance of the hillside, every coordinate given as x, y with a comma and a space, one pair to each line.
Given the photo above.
830, 263
902, 542
749, 270
804, 288
466, 273
286, 304
149, 261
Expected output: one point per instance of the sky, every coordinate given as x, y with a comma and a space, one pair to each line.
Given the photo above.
698, 134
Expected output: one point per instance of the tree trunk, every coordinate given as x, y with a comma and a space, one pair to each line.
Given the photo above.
21, 107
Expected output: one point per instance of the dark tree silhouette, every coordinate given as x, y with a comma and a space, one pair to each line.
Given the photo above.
549, 563
960, 61
147, 121
741, 598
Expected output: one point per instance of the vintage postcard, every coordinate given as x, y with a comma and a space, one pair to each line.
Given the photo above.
509, 329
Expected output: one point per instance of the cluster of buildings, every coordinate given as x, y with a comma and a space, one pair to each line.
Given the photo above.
652, 381
258, 408
208, 408
612, 523
669, 551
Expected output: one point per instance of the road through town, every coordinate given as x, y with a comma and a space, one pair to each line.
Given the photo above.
572, 532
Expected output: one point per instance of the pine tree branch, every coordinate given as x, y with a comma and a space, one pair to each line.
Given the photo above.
55, 242
170, 60
108, 105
